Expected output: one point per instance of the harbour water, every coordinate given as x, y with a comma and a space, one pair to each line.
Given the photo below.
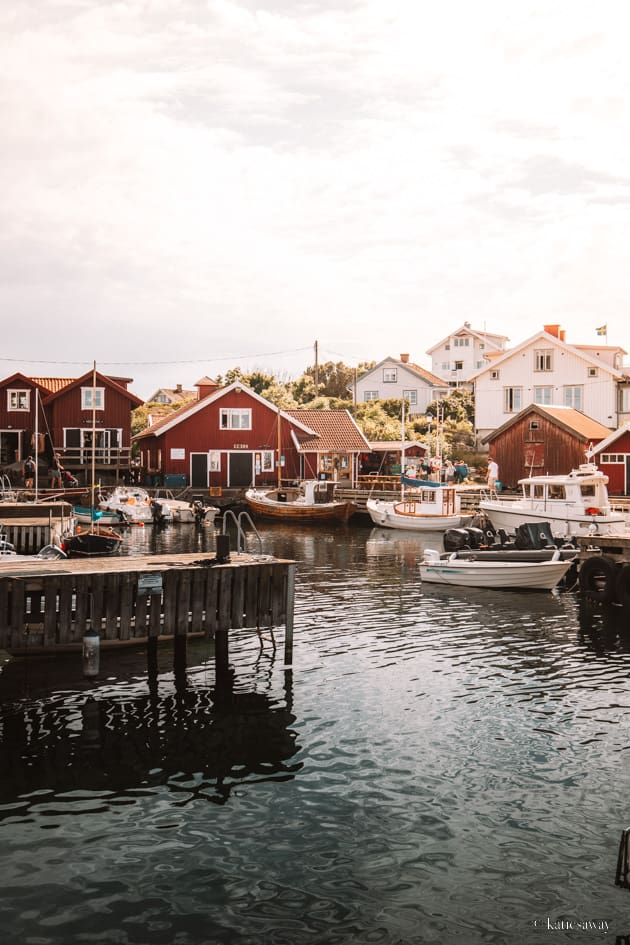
439, 765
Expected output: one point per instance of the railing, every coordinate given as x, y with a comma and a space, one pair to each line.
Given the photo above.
76, 457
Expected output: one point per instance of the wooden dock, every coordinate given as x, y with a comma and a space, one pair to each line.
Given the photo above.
31, 525
46, 607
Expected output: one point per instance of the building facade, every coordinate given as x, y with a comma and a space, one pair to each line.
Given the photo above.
456, 358
400, 379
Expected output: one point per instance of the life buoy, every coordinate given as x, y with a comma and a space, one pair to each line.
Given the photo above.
622, 585
592, 511
597, 579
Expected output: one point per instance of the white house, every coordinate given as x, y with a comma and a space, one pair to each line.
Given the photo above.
392, 378
464, 352
546, 370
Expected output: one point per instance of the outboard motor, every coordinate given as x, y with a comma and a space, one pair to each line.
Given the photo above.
455, 539
534, 536
478, 537
158, 512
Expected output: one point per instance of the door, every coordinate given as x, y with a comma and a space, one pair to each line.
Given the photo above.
241, 470
199, 470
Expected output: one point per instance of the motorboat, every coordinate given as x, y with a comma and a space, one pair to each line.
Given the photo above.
574, 504
311, 500
425, 506
541, 569
166, 508
132, 503
85, 515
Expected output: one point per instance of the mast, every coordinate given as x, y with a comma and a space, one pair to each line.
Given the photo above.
36, 445
402, 454
93, 442
279, 448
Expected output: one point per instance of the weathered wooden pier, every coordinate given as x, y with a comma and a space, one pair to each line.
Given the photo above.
31, 525
46, 607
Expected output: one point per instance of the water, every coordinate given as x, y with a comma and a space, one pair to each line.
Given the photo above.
441, 765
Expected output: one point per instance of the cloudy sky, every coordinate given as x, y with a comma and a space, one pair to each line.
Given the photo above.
190, 185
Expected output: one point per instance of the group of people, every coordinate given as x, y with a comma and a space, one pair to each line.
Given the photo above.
55, 472
432, 468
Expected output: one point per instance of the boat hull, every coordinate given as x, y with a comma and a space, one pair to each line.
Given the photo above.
93, 543
509, 515
523, 575
384, 515
263, 507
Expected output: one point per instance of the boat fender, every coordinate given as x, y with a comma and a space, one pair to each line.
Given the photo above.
79, 529
622, 585
597, 579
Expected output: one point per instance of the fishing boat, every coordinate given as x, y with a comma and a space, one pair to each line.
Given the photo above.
310, 500
574, 504
509, 569
86, 514
423, 505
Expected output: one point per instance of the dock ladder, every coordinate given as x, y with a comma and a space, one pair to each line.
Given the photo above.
241, 537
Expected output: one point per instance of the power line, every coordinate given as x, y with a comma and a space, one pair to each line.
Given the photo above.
233, 357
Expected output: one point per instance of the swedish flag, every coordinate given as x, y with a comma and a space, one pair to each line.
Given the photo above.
602, 330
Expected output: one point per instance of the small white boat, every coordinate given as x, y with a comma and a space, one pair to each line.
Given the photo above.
132, 503
427, 507
167, 508
574, 504
530, 570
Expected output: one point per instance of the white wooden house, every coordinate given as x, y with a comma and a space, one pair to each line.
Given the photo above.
545, 370
464, 352
393, 378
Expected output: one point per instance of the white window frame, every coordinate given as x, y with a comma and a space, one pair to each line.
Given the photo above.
390, 375
214, 461
543, 395
411, 396
370, 395
267, 460
613, 458
228, 418
14, 395
574, 396
495, 375
512, 399
593, 372
543, 359
86, 398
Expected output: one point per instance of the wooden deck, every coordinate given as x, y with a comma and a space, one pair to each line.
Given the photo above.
47, 606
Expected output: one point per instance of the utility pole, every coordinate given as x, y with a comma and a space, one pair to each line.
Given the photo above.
316, 370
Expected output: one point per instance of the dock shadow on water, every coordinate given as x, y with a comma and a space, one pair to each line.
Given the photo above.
440, 766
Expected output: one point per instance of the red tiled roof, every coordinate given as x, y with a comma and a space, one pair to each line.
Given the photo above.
585, 426
53, 384
334, 429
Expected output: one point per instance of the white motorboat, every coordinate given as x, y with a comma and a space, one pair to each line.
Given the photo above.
167, 508
530, 570
132, 503
427, 506
574, 504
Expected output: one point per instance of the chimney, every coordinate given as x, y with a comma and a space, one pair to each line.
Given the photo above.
404, 358
178, 389
205, 387
552, 330
562, 335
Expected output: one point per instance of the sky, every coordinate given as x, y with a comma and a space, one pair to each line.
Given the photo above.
190, 186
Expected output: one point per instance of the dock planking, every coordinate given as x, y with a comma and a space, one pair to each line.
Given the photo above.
47, 606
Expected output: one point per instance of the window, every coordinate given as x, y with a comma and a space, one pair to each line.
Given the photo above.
214, 461
624, 399
482, 347
494, 375
446, 366
543, 359
18, 399
543, 395
459, 366
513, 399
390, 375
534, 425
592, 372
613, 457
573, 397
411, 396
461, 342
447, 347
267, 461
370, 395
235, 418
92, 393
479, 364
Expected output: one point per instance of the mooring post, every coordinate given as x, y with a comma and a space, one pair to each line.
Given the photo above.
289, 607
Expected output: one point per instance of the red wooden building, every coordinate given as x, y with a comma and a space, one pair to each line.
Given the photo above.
233, 438
47, 415
612, 455
541, 440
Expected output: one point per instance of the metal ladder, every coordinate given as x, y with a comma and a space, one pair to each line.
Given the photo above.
241, 538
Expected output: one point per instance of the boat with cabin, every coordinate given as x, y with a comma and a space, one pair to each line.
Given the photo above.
310, 500
426, 507
132, 503
574, 504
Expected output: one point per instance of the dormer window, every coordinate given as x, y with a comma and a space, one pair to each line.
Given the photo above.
18, 400
92, 398
543, 359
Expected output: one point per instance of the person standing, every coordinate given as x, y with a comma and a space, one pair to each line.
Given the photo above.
29, 472
56, 472
449, 473
493, 474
